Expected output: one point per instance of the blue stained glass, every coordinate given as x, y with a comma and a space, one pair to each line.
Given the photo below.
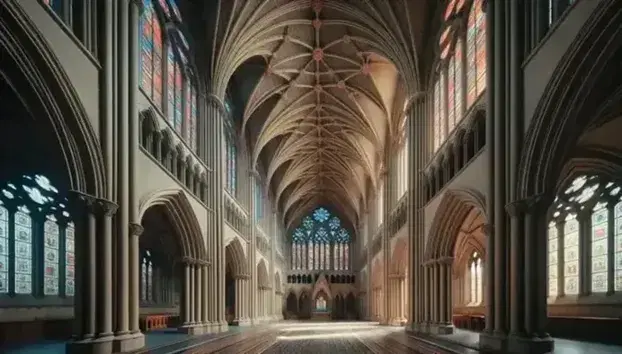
299, 236
307, 223
343, 236
334, 223
321, 235
321, 215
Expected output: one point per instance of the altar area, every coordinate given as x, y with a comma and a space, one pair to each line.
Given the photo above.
320, 311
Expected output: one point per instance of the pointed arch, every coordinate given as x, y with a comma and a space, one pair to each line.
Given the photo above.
236, 258
178, 208
31, 66
570, 103
452, 211
399, 258
277, 282
262, 274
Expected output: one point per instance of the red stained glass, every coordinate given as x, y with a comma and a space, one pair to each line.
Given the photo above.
450, 9
476, 53
450, 96
170, 67
458, 81
178, 99
151, 55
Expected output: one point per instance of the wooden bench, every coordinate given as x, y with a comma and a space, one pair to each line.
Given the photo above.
151, 322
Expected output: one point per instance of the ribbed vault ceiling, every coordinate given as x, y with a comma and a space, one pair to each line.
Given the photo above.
329, 102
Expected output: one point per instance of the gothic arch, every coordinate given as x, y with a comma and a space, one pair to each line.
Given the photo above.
580, 86
29, 65
399, 258
185, 223
236, 258
262, 274
470, 239
277, 282
454, 208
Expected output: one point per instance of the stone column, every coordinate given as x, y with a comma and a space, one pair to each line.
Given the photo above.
427, 290
417, 157
444, 306
93, 300
239, 299
216, 113
205, 298
197, 300
253, 299
402, 301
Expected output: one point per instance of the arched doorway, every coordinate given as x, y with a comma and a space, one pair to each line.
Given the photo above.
304, 305
50, 154
398, 283
278, 297
337, 309
291, 306
236, 283
376, 298
458, 227
350, 312
173, 263
263, 287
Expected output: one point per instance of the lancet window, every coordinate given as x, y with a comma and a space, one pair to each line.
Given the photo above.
585, 232
37, 235
462, 68
166, 74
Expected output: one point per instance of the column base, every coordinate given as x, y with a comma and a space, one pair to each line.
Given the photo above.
397, 322
223, 327
90, 346
244, 322
535, 345
496, 342
128, 342
192, 329
441, 329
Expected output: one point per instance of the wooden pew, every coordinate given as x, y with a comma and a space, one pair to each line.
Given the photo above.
152, 322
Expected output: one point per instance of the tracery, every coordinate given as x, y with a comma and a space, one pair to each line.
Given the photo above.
585, 220
319, 241
31, 264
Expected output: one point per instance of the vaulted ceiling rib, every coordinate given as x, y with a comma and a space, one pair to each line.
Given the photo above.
324, 110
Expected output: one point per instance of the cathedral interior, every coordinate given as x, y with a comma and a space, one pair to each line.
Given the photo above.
302, 176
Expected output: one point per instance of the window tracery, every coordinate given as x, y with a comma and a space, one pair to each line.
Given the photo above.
170, 72
37, 255
463, 62
230, 148
318, 240
582, 217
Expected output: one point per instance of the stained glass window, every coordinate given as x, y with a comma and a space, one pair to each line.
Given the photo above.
475, 277
476, 52
4, 249
318, 231
602, 197
231, 161
451, 84
190, 114
151, 54
51, 239
599, 248
146, 278
259, 200
458, 83
32, 203
553, 260
174, 83
70, 265
438, 119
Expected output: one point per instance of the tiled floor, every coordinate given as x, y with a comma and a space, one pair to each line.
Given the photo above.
562, 346
298, 337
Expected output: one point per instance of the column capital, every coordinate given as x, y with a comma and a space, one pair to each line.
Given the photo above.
445, 260
104, 207
537, 202
516, 207
188, 261
80, 203
136, 229
217, 101
254, 173
412, 100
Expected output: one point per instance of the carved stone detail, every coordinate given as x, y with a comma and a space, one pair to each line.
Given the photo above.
136, 229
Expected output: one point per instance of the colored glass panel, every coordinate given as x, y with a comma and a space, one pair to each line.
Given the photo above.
70, 260
4, 249
571, 256
600, 259
451, 109
23, 251
553, 249
51, 260
476, 53
480, 47
458, 111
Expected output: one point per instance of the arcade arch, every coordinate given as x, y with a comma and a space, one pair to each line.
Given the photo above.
454, 261
398, 283
172, 256
263, 286
51, 155
236, 282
